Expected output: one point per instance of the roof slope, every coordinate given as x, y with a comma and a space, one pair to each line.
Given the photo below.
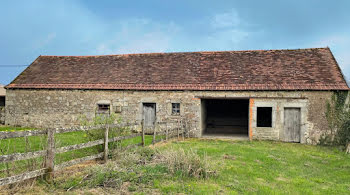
301, 69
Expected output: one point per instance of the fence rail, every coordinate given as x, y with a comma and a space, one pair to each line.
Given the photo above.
77, 161
15, 134
22, 177
79, 146
50, 152
22, 156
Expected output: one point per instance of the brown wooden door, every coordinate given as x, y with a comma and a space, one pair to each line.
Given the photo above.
292, 124
149, 115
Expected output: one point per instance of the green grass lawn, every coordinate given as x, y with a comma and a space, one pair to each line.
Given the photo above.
242, 167
265, 168
8, 128
36, 143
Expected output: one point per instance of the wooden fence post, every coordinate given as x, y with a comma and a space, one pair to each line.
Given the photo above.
143, 133
154, 133
183, 130
178, 128
188, 129
50, 156
166, 133
105, 150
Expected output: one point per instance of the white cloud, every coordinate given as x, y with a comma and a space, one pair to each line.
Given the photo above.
221, 31
227, 31
151, 42
336, 41
140, 36
226, 20
45, 41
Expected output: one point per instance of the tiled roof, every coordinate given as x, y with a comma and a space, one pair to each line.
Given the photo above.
301, 69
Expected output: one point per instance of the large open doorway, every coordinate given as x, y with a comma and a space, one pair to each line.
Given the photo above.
225, 117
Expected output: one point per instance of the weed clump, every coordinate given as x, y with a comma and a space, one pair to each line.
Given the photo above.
131, 167
186, 163
138, 168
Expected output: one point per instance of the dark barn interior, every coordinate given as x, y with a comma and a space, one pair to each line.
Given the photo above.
225, 116
2, 101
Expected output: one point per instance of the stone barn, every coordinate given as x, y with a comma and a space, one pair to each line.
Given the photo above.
259, 94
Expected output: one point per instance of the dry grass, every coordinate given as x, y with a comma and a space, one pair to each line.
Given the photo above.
188, 163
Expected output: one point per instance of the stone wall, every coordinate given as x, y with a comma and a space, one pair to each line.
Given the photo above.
2, 115
62, 108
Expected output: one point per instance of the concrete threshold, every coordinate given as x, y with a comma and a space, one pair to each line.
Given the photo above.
226, 136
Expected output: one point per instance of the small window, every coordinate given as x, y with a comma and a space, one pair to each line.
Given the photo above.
103, 108
264, 117
175, 109
117, 109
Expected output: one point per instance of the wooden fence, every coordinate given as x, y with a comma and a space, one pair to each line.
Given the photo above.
49, 168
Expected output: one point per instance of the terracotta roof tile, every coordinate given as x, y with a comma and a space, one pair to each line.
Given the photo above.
301, 69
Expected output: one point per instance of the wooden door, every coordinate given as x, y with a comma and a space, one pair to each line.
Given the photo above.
149, 115
292, 124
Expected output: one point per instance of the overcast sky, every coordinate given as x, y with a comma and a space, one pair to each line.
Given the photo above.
30, 28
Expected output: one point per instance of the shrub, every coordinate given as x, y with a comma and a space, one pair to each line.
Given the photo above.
128, 166
187, 163
107, 175
134, 157
139, 167
103, 121
338, 117
343, 136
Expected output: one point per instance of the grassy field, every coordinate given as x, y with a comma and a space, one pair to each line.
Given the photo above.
267, 168
35, 143
241, 167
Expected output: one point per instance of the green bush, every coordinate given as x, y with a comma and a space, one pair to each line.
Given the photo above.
338, 117
141, 166
343, 136
104, 120
129, 166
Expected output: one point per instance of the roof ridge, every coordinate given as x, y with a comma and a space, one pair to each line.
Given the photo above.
185, 52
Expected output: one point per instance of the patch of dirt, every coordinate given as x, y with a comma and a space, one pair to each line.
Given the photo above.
307, 164
280, 178
26, 187
229, 157
258, 161
261, 181
274, 157
75, 170
159, 144
93, 191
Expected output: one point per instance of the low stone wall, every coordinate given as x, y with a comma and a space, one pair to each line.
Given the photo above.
62, 108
